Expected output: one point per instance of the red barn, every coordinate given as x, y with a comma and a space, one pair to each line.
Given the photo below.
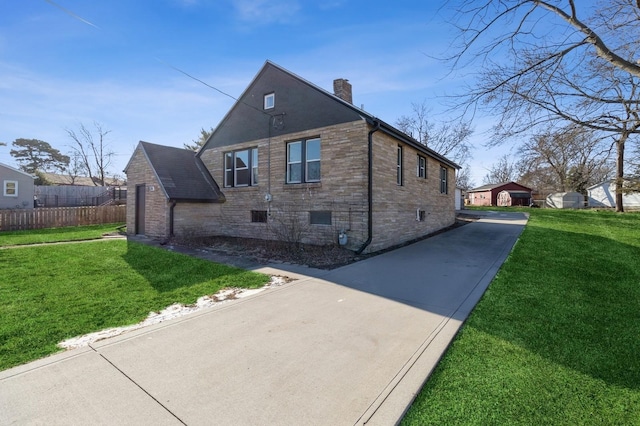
487, 195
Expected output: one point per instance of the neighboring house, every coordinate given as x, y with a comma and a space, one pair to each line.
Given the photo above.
62, 180
296, 163
17, 188
603, 194
487, 195
565, 200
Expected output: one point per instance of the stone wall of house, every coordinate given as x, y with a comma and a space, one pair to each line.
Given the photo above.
397, 208
342, 190
196, 219
139, 172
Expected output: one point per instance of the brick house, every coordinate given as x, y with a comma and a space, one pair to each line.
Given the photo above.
298, 163
487, 195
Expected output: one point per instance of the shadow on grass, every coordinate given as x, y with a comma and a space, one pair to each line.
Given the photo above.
168, 271
575, 302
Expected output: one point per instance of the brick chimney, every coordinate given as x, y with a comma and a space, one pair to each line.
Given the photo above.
342, 89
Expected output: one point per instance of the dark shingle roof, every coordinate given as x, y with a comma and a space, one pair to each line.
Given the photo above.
182, 175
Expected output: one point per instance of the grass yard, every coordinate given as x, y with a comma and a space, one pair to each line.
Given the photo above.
556, 337
54, 292
52, 235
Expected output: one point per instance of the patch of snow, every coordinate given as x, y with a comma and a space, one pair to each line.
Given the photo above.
173, 311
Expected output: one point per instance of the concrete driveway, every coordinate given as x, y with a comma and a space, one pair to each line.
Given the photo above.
344, 347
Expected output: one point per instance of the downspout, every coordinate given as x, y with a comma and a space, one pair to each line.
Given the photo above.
370, 189
173, 205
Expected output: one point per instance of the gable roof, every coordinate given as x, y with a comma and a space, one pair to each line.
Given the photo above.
16, 170
297, 94
495, 185
181, 174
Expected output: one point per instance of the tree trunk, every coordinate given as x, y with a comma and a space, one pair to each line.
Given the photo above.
620, 171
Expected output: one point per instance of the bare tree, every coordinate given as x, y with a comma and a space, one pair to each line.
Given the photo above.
464, 180
566, 159
93, 152
76, 167
504, 170
450, 139
559, 65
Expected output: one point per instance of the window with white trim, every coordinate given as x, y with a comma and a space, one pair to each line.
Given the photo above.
303, 161
10, 188
269, 101
444, 180
241, 168
422, 167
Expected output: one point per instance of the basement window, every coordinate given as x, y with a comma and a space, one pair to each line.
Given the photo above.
320, 217
259, 216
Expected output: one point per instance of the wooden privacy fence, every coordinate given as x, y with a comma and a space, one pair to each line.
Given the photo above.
39, 218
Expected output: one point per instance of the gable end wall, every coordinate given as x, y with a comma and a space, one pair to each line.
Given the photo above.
342, 190
156, 207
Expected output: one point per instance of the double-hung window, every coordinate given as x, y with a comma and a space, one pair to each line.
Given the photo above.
241, 168
444, 178
422, 167
399, 166
10, 188
303, 161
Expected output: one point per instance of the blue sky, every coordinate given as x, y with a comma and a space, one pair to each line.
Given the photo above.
67, 62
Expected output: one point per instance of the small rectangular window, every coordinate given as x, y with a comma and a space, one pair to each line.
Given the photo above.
10, 188
259, 216
269, 101
399, 166
422, 167
320, 217
420, 216
444, 180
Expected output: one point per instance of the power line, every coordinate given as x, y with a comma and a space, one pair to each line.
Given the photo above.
81, 19
213, 87
73, 15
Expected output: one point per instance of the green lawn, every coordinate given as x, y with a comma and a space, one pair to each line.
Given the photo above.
70, 233
556, 337
54, 292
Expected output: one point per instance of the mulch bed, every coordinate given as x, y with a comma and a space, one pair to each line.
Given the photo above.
314, 256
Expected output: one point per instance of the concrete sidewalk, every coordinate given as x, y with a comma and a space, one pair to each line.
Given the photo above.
349, 346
